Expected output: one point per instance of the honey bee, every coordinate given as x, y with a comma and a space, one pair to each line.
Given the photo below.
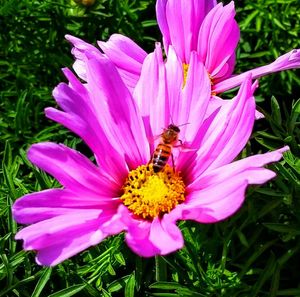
163, 151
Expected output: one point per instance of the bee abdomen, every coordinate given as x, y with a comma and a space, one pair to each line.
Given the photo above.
161, 156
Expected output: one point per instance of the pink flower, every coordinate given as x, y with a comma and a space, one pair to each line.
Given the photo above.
121, 192
191, 25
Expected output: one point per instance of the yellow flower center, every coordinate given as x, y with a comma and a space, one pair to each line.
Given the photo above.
148, 194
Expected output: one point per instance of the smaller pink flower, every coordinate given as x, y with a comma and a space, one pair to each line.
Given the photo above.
121, 192
193, 25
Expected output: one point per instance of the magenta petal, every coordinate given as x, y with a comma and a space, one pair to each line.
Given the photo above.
218, 38
165, 235
178, 14
159, 237
228, 133
81, 116
188, 153
127, 56
195, 99
214, 104
153, 104
215, 203
104, 114
39, 235
46, 204
98, 142
119, 221
72, 169
137, 238
57, 253
124, 52
117, 111
287, 61
174, 83
249, 169
179, 22
78, 50
89, 234
217, 194
162, 22
140, 233
258, 115
61, 237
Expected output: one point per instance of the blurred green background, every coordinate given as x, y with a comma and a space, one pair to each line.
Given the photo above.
254, 253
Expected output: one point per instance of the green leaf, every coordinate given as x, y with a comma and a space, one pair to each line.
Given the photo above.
149, 23
242, 238
277, 23
248, 20
118, 284
264, 276
276, 114
42, 282
165, 285
130, 286
282, 228
289, 292
258, 252
275, 282
68, 291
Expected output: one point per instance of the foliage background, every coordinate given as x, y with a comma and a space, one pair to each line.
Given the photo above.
254, 253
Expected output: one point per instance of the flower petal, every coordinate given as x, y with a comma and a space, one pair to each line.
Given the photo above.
137, 238
227, 134
220, 192
45, 233
78, 50
179, 22
153, 105
159, 237
249, 169
165, 235
62, 237
215, 203
118, 113
195, 99
81, 117
72, 169
46, 204
127, 56
162, 22
289, 60
57, 253
218, 38
175, 83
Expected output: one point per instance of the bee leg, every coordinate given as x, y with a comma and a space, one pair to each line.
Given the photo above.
181, 144
173, 163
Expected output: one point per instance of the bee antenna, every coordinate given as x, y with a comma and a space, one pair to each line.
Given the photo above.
171, 119
172, 122
183, 124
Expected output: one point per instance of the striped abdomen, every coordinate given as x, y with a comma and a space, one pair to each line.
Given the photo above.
161, 156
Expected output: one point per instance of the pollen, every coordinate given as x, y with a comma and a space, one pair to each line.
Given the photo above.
185, 73
148, 194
